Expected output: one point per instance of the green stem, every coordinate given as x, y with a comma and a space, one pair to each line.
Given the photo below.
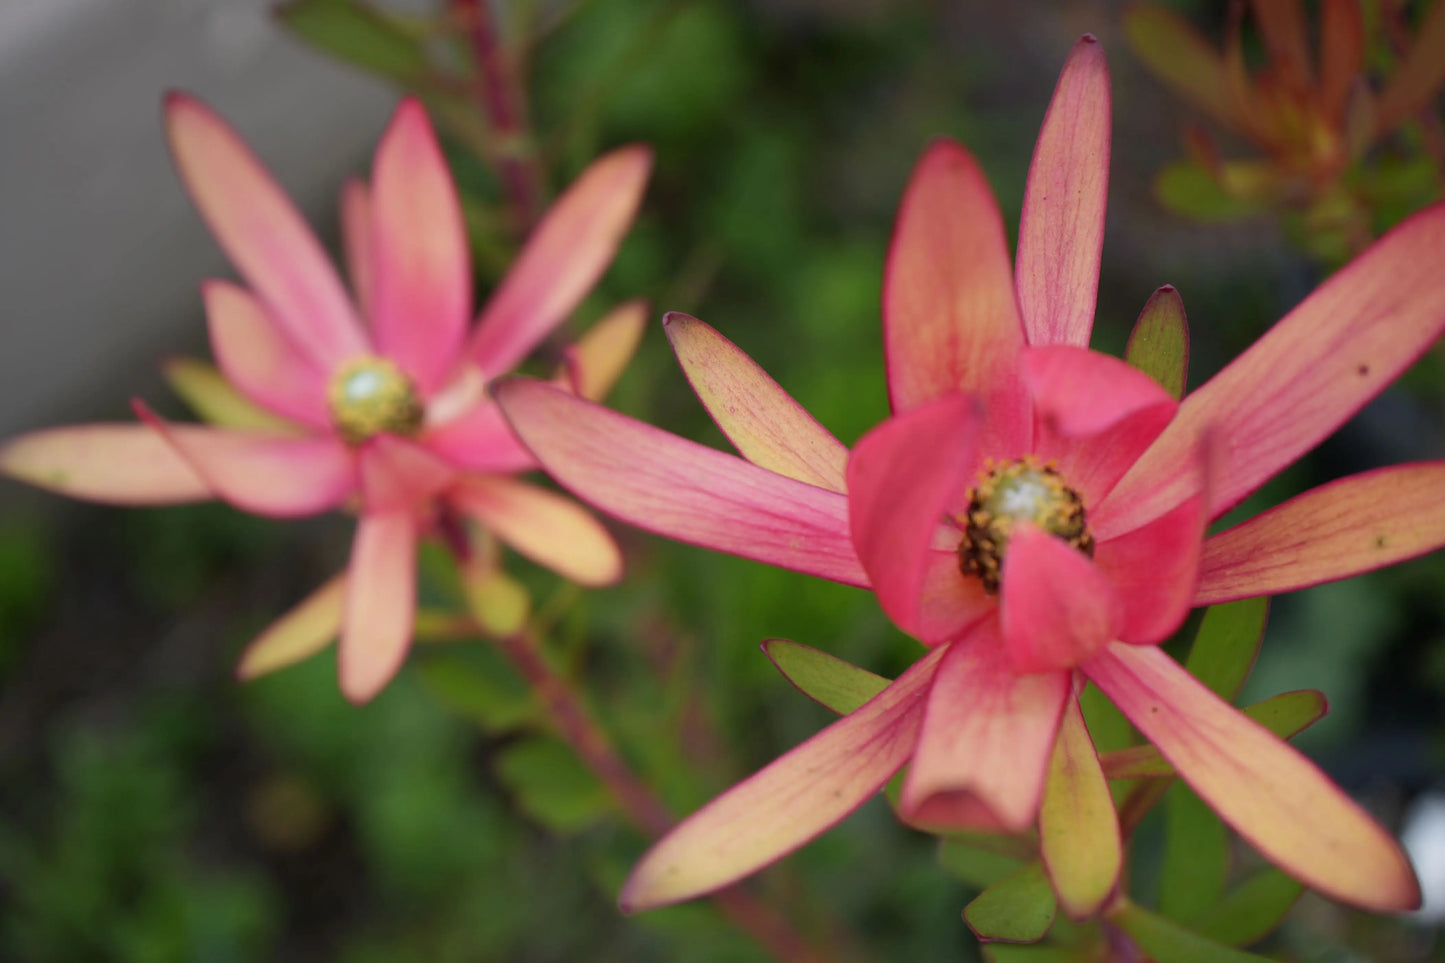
564, 706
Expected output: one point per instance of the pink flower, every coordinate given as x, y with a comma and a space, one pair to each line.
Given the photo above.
389, 417
1035, 514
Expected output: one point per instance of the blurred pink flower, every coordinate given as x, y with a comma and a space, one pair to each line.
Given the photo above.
1035, 513
390, 417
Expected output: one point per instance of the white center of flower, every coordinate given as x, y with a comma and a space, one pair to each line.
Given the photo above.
370, 396
1027, 497
1022, 490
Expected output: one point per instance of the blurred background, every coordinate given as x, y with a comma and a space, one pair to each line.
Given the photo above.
152, 809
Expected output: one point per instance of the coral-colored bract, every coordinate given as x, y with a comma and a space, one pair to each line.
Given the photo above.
390, 417
1035, 513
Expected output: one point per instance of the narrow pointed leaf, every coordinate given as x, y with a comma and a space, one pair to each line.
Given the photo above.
216, 401
1196, 856
1286, 35
1017, 909
1169, 942
1078, 829
1159, 343
1353, 525
358, 34
1286, 715
1251, 911
306, 629
681, 489
1177, 54
763, 422
1418, 77
1228, 641
1342, 52
826, 679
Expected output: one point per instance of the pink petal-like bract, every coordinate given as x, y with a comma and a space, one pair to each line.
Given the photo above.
258, 358
380, 604
901, 477
1061, 229
356, 240
1155, 570
1056, 607
563, 258
480, 439
548, 528
987, 732
276, 475
1096, 415
681, 489
1347, 527
398, 475
421, 273
788, 802
1276, 798
263, 234
113, 464
951, 321
1309, 373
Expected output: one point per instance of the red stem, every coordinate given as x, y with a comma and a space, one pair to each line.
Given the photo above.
564, 706
500, 97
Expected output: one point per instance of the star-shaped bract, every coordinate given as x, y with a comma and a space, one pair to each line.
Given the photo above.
390, 417
999, 410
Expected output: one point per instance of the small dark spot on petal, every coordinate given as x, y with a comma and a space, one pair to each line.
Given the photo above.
1362, 370
1380, 541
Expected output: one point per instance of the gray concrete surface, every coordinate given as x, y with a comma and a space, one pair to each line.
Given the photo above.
100, 251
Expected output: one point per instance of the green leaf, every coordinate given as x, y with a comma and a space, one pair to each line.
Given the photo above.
1159, 343
1168, 942
1196, 856
1190, 190
1227, 643
1012, 953
482, 687
828, 680
1286, 715
215, 400
982, 860
1252, 910
359, 35
1018, 909
552, 786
